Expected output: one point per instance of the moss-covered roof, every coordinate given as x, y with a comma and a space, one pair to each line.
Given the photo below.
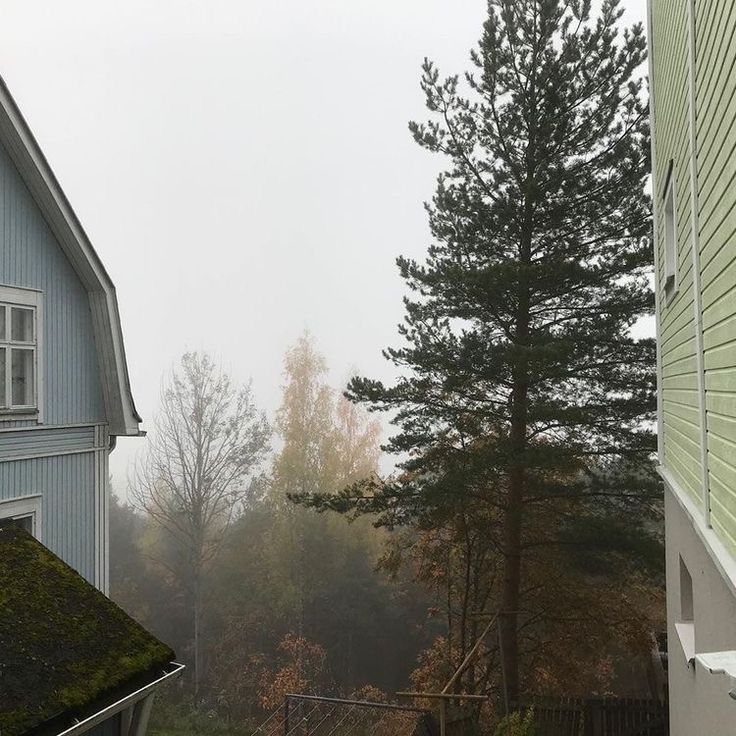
63, 644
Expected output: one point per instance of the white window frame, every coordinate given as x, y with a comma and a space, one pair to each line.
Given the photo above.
12, 296
669, 209
24, 506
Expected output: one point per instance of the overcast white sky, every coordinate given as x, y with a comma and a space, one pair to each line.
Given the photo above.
242, 167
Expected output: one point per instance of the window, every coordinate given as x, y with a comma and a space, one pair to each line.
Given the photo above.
685, 627
687, 608
24, 512
20, 329
670, 235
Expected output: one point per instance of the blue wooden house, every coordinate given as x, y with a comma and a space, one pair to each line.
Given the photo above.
64, 390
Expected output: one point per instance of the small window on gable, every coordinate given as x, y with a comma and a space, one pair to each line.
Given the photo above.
20, 348
670, 235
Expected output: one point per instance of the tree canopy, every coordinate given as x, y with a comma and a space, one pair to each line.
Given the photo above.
522, 389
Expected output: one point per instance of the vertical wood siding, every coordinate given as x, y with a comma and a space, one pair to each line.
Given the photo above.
30, 257
716, 136
681, 425
64, 465
67, 484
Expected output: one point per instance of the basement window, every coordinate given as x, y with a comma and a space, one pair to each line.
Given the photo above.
670, 235
685, 627
24, 512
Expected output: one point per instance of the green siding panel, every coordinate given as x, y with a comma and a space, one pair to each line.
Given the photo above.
716, 151
715, 128
681, 428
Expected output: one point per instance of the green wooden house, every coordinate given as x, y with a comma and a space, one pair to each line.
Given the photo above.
693, 115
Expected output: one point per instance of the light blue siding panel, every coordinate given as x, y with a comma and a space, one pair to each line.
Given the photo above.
30, 257
45, 441
67, 485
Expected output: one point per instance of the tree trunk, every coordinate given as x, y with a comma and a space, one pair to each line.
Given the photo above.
510, 591
197, 621
513, 513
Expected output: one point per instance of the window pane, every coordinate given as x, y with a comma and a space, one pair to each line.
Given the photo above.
2, 324
3, 398
21, 377
24, 522
21, 325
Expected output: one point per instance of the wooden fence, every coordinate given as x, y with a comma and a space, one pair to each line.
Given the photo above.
598, 716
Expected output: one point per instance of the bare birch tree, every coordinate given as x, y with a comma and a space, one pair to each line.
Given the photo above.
206, 448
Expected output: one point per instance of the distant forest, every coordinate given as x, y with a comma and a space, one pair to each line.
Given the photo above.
291, 600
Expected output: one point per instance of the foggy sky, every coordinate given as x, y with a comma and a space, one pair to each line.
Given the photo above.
243, 169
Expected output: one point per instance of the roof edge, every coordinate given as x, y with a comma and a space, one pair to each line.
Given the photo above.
104, 712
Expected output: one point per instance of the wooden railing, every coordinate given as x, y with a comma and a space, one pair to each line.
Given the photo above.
597, 716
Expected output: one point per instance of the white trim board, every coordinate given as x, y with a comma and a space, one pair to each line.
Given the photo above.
102, 511
52, 453
655, 237
34, 428
108, 712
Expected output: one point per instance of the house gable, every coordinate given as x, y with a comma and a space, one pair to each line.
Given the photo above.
41, 185
32, 259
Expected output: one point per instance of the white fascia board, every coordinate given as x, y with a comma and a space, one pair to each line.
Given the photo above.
125, 702
58, 213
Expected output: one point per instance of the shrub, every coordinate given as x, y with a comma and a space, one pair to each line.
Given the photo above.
517, 725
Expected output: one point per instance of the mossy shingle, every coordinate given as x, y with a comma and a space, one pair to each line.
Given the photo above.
63, 644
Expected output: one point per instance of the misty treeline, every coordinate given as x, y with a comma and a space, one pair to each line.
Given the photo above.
258, 596
523, 522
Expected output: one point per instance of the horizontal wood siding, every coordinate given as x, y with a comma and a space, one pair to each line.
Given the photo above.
716, 149
681, 425
46, 441
31, 258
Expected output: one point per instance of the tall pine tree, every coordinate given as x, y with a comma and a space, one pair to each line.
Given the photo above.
523, 386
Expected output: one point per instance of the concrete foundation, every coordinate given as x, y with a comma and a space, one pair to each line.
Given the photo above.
699, 597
